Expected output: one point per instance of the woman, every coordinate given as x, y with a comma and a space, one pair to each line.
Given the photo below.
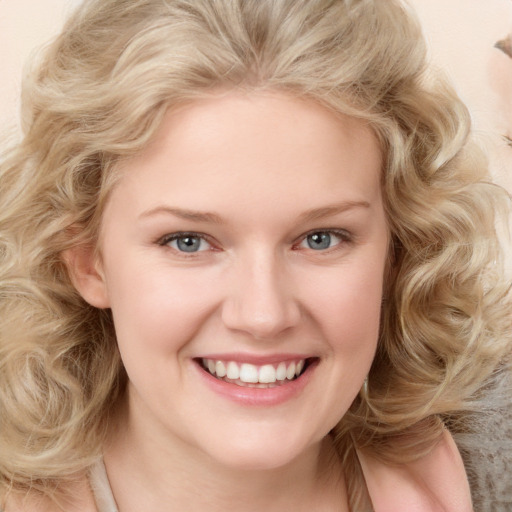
262, 265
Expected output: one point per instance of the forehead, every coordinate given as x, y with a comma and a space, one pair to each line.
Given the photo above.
252, 147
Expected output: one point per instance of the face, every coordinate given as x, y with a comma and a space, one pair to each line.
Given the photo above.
242, 255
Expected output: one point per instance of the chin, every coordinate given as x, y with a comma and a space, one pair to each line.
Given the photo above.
261, 453
255, 460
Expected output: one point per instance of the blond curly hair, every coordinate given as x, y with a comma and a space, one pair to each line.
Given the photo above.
97, 95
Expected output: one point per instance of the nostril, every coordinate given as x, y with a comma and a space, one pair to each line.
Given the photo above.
260, 300
261, 321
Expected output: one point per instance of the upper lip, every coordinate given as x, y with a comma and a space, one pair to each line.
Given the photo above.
255, 359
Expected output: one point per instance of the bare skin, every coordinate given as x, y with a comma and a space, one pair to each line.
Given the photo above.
251, 231
312, 482
436, 483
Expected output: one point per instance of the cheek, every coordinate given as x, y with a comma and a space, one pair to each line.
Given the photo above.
346, 310
158, 308
347, 305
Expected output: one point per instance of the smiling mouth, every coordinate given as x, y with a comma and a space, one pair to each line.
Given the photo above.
256, 376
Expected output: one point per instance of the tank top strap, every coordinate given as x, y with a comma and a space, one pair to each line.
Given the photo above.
101, 488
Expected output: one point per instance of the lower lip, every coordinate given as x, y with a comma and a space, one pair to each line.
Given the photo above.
257, 396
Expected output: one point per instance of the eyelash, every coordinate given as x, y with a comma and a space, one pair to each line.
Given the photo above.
167, 239
344, 236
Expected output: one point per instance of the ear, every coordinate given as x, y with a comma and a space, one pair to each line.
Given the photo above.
86, 274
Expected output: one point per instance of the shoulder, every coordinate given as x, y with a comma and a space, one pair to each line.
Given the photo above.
78, 498
434, 483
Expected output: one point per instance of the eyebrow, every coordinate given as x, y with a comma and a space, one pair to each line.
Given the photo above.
213, 218
331, 210
183, 213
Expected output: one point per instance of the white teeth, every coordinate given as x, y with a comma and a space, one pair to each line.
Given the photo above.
267, 374
254, 375
248, 373
290, 372
220, 369
232, 371
281, 371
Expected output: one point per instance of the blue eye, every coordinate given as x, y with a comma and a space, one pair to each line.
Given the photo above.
186, 242
322, 240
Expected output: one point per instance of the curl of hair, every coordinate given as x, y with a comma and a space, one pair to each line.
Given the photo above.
98, 96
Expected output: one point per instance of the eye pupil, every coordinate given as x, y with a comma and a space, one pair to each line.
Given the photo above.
188, 243
319, 241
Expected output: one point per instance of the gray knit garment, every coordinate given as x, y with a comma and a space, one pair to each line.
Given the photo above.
487, 452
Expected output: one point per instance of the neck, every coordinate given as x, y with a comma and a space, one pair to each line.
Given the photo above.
148, 471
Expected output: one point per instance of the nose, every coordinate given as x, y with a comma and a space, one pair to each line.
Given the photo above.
260, 299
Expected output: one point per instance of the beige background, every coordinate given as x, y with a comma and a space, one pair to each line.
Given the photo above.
461, 35
24, 25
